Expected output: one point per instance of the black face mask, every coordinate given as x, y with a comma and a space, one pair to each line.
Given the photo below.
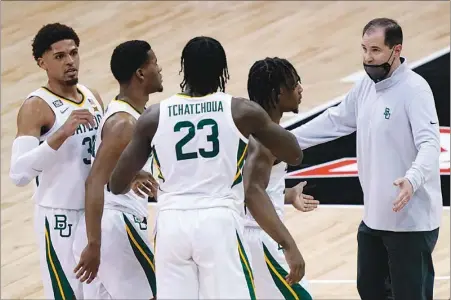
378, 72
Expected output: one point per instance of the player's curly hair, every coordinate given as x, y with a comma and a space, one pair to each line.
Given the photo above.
127, 57
266, 77
204, 66
50, 34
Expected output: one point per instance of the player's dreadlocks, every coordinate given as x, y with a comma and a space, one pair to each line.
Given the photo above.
266, 77
50, 34
204, 65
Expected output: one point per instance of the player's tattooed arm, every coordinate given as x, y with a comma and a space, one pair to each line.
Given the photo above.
257, 170
252, 119
135, 155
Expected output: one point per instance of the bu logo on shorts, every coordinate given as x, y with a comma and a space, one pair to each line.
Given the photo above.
61, 225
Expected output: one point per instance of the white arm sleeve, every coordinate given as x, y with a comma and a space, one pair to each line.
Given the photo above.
333, 123
28, 159
426, 136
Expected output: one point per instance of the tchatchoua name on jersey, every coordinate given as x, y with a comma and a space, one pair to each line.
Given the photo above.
195, 108
82, 128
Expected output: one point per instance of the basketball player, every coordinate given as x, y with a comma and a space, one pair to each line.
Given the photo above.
274, 84
198, 138
56, 130
116, 225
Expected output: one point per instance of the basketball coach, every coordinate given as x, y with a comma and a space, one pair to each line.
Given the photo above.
398, 146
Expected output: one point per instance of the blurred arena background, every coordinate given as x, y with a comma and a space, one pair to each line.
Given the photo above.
322, 40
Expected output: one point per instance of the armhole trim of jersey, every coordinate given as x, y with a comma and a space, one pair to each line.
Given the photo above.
157, 133
128, 104
232, 122
44, 136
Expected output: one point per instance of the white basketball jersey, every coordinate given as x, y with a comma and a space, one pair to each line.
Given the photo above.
129, 202
275, 191
199, 153
62, 185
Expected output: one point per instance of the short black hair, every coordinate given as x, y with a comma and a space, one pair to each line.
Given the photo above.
392, 30
204, 66
266, 77
128, 57
50, 34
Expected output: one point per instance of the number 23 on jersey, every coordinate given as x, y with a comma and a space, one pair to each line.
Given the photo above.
192, 130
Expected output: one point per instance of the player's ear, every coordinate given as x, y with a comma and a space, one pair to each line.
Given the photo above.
41, 63
140, 74
282, 91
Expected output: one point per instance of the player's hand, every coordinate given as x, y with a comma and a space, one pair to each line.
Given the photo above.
405, 193
296, 263
77, 117
299, 200
88, 266
145, 185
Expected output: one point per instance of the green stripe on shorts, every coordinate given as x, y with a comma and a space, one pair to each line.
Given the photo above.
142, 253
278, 274
60, 285
246, 268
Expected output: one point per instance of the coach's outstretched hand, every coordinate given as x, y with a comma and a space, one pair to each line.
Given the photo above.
88, 266
299, 200
296, 263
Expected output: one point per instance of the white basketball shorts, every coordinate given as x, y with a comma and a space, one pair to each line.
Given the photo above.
270, 268
200, 254
126, 268
55, 230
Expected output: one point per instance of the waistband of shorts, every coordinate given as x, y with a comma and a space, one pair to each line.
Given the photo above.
124, 209
39, 206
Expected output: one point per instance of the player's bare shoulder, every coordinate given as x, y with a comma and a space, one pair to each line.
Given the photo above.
34, 116
244, 108
246, 114
118, 124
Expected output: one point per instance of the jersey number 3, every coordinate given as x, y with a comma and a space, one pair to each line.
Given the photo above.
213, 138
89, 143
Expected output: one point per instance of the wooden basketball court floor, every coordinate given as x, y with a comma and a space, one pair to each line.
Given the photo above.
322, 40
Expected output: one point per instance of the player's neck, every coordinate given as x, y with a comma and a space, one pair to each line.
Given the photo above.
188, 91
275, 115
66, 91
134, 96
